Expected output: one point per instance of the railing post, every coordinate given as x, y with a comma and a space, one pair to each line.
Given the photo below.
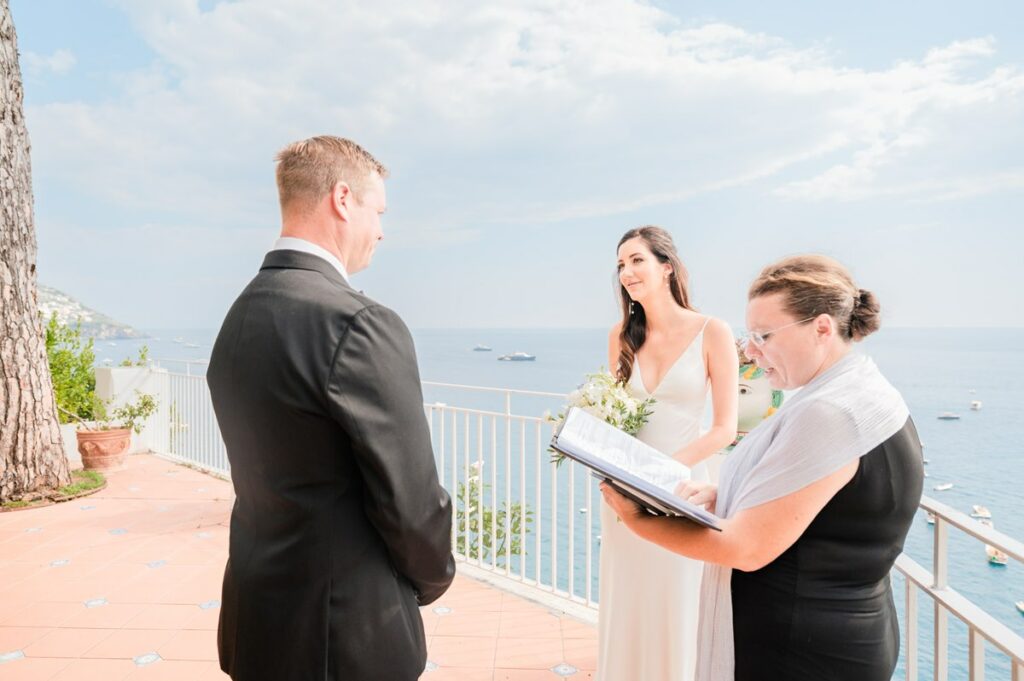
977, 655
941, 576
911, 618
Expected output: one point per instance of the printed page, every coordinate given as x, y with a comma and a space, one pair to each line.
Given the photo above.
584, 432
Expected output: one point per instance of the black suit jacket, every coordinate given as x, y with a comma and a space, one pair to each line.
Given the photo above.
340, 527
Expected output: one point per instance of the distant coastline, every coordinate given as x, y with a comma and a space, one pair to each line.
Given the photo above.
94, 324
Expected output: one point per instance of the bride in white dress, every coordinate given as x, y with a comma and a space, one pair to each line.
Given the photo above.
647, 628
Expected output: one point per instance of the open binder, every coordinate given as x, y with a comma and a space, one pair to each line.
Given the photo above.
639, 471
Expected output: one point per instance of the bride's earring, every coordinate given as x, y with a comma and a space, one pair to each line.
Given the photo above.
631, 307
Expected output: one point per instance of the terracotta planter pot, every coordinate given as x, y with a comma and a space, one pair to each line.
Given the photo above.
103, 449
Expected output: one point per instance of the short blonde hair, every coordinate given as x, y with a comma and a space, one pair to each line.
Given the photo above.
309, 169
816, 284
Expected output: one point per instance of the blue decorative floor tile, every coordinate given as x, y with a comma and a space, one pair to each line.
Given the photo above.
431, 667
203, 535
148, 658
118, 530
33, 530
442, 610
11, 656
564, 669
87, 507
96, 603
59, 563
156, 564
208, 605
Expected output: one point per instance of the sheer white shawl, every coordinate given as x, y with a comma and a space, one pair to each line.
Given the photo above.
839, 416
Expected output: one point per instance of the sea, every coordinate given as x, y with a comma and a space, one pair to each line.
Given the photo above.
937, 371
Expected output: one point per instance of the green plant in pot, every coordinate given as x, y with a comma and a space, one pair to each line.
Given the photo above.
104, 445
102, 440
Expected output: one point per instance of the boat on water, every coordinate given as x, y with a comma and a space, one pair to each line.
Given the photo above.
191, 345
942, 487
931, 518
975, 405
926, 461
995, 556
1020, 607
948, 416
980, 512
179, 340
517, 357
482, 348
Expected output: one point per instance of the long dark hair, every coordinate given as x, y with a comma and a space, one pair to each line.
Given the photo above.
634, 319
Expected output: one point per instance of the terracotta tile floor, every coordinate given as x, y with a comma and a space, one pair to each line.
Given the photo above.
125, 584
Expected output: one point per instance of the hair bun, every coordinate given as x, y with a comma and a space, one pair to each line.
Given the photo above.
865, 319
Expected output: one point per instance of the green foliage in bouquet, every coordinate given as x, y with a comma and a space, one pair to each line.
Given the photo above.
609, 400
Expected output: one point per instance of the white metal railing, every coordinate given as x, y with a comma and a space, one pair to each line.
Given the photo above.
982, 627
193, 435
518, 516
531, 526
192, 366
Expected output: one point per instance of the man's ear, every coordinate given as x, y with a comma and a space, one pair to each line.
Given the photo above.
341, 199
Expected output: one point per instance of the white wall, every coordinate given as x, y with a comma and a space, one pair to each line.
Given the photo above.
119, 386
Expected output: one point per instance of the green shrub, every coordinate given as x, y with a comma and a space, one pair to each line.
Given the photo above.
71, 366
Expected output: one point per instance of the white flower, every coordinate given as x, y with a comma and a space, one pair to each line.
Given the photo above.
603, 396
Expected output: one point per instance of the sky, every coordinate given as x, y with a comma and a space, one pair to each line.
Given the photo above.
523, 139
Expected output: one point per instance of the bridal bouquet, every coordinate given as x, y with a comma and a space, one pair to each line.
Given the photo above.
607, 399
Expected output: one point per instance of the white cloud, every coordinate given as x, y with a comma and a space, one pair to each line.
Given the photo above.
543, 110
58, 63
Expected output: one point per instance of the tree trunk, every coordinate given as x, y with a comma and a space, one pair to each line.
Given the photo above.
32, 457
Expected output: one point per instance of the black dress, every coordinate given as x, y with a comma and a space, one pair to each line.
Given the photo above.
823, 610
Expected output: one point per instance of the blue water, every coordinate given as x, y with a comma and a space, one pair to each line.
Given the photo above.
937, 370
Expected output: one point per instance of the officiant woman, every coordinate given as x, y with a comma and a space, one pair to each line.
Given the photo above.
816, 501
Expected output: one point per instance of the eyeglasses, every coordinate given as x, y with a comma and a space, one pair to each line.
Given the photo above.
759, 339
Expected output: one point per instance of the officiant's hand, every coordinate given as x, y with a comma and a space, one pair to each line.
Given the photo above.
625, 508
697, 493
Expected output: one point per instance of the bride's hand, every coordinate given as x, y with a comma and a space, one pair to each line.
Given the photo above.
698, 493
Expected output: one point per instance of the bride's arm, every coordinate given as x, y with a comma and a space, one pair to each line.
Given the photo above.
748, 541
723, 370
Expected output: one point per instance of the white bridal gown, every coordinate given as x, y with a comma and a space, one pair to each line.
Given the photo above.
649, 596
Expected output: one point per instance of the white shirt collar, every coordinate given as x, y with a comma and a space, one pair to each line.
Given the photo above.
290, 243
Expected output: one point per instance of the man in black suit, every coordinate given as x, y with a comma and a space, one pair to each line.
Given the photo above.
340, 528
